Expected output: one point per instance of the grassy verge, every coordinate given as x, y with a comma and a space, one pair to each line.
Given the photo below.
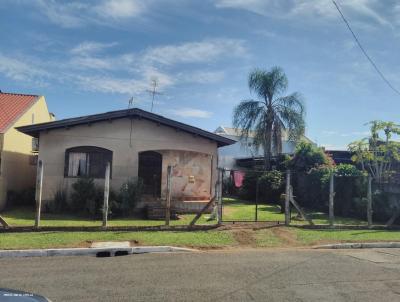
270, 237
78, 239
309, 237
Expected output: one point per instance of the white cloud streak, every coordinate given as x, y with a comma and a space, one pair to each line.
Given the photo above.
190, 113
89, 66
72, 14
322, 9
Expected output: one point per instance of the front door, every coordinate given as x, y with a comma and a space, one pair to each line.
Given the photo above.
150, 167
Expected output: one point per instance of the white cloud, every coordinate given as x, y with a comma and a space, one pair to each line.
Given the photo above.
88, 67
89, 47
195, 52
20, 70
120, 8
66, 15
73, 14
190, 112
202, 77
306, 8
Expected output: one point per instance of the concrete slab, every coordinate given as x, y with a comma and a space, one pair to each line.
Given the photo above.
111, 244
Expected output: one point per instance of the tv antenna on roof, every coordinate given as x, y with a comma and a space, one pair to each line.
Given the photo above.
153, 91
131, 102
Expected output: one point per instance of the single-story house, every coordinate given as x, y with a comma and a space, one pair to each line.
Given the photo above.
138, 144
17, 150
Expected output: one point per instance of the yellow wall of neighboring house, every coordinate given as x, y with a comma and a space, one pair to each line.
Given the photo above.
17, 171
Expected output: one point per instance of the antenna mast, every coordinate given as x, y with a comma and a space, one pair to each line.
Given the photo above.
153, 91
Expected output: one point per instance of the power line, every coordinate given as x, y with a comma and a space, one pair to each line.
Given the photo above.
364, 51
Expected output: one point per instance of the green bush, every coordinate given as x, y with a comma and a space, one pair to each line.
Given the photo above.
270, 185
311, 189
350, 186
129, 196
308, 156
59, 203
87, 197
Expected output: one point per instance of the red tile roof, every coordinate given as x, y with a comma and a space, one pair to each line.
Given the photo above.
12, 106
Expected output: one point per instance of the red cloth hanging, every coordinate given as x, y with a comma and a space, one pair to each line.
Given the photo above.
238, 177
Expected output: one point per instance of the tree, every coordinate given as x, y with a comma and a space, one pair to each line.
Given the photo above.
308, 156
376, 155
271, 114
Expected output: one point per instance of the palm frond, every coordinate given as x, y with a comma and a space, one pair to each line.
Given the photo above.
267, 84
246, 115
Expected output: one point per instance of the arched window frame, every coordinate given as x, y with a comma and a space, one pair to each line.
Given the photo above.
96, 159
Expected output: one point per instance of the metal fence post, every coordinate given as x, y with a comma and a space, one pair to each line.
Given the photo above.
287, 198
106, 194
39, 186
331, 200
369, 202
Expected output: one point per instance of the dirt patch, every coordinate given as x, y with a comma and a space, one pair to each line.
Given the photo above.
134, 243
285, 235
244, 237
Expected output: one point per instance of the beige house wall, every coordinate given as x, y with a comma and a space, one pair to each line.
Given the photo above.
17, 172
126, 139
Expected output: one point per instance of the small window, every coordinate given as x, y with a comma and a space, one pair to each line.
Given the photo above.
86, 162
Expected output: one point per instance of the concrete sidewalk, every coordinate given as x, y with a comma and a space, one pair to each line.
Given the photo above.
360, 245
99, 252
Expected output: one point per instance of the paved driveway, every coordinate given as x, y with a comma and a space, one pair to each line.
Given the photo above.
241, 275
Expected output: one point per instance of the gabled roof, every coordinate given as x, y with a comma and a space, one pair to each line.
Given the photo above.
12, 106
35, 129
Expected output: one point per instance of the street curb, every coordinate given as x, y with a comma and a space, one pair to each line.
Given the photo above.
99, 252
367, 245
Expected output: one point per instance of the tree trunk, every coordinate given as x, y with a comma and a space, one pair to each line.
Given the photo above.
268, 146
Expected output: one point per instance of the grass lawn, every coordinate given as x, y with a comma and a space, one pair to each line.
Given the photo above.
233, 209
78, 239
307, 237
26, 217
236, 209
270, 237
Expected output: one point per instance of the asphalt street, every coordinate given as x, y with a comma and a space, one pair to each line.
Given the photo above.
237, 275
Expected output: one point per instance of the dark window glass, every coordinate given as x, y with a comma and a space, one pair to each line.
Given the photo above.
86, 162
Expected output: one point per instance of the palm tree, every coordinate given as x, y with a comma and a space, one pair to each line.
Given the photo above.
271, 114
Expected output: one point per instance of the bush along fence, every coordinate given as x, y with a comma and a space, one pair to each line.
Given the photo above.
339, 196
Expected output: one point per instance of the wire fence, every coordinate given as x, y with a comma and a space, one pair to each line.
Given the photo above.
322, 198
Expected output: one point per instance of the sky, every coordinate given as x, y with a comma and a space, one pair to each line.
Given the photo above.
88, 57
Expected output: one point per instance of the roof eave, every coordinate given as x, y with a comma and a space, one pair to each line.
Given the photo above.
34, 130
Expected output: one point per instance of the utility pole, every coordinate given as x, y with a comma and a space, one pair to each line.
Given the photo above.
153, 91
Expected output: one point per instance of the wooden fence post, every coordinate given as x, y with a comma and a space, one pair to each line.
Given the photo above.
287, 198
168, 203
38, 197
106, 194
219, 195
331, 200
369, 202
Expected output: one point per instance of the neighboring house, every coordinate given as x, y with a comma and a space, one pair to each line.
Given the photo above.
341, 156
138, 144
17, 157
243, 150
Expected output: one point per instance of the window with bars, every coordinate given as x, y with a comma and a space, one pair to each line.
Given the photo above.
86, 161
